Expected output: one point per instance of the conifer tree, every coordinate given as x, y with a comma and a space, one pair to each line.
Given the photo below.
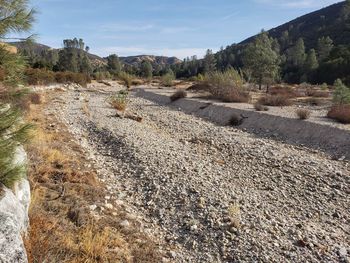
261, 60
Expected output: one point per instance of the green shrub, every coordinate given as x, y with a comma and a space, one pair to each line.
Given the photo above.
227, 86
168, 80
119, 100
126, 78
342, 93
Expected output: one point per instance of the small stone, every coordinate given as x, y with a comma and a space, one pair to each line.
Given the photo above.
172, 254
125, 224
92, 207
343, 252
109, 206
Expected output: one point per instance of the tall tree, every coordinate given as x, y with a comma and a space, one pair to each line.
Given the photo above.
296, 54
209, 62
261, 60
310, 65
324, 47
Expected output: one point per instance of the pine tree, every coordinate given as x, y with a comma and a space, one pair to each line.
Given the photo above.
261, 61
324, 47
296, 54
209, 62
15, 17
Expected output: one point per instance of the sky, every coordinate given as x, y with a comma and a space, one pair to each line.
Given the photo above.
178, 28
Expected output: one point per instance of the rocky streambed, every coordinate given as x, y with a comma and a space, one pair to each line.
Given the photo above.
214, 193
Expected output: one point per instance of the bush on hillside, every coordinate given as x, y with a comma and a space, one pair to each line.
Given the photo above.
39, 76
303, 114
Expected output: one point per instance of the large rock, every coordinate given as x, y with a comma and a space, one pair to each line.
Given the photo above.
13, 222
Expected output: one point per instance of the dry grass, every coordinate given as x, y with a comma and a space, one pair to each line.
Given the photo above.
317, 93
35, 98
303, 114
232, 95
180, 94
260, 107
287, 92
234, 213
275, 100
62, 227
236, 120
340, 113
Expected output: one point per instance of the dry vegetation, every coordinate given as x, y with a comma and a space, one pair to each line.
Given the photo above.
275, 100
303, 114
341, 113
180, 94
63, 229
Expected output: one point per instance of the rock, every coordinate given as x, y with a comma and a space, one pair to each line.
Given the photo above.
92, 207
125, 224
342, 252
13, 223
172, 254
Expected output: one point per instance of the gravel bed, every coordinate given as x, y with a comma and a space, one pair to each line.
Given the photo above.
215, 194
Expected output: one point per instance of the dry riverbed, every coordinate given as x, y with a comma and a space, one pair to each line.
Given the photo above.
213, 193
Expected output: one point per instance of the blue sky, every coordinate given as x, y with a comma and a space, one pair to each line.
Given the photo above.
162, 27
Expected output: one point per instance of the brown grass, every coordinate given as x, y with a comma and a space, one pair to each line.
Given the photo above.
315, 101
287, 92
275, 100
317, 93
35, 98
340, 113
303, 114
180, 94
260, 107
62, 228
237, 95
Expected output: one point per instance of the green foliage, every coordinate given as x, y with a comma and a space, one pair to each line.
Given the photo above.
119, 100
15, 16
13, 65
324, 47
126, 78
73, 57
261, 62
146, 69
227, 86
209, 62
342, 93
168, 79
12, 132
113, 64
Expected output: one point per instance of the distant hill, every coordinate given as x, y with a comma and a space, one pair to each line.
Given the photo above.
159, 60
99, 61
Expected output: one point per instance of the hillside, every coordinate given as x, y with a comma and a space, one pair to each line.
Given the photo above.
322, 23
96, 60
320, 39
159, 60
